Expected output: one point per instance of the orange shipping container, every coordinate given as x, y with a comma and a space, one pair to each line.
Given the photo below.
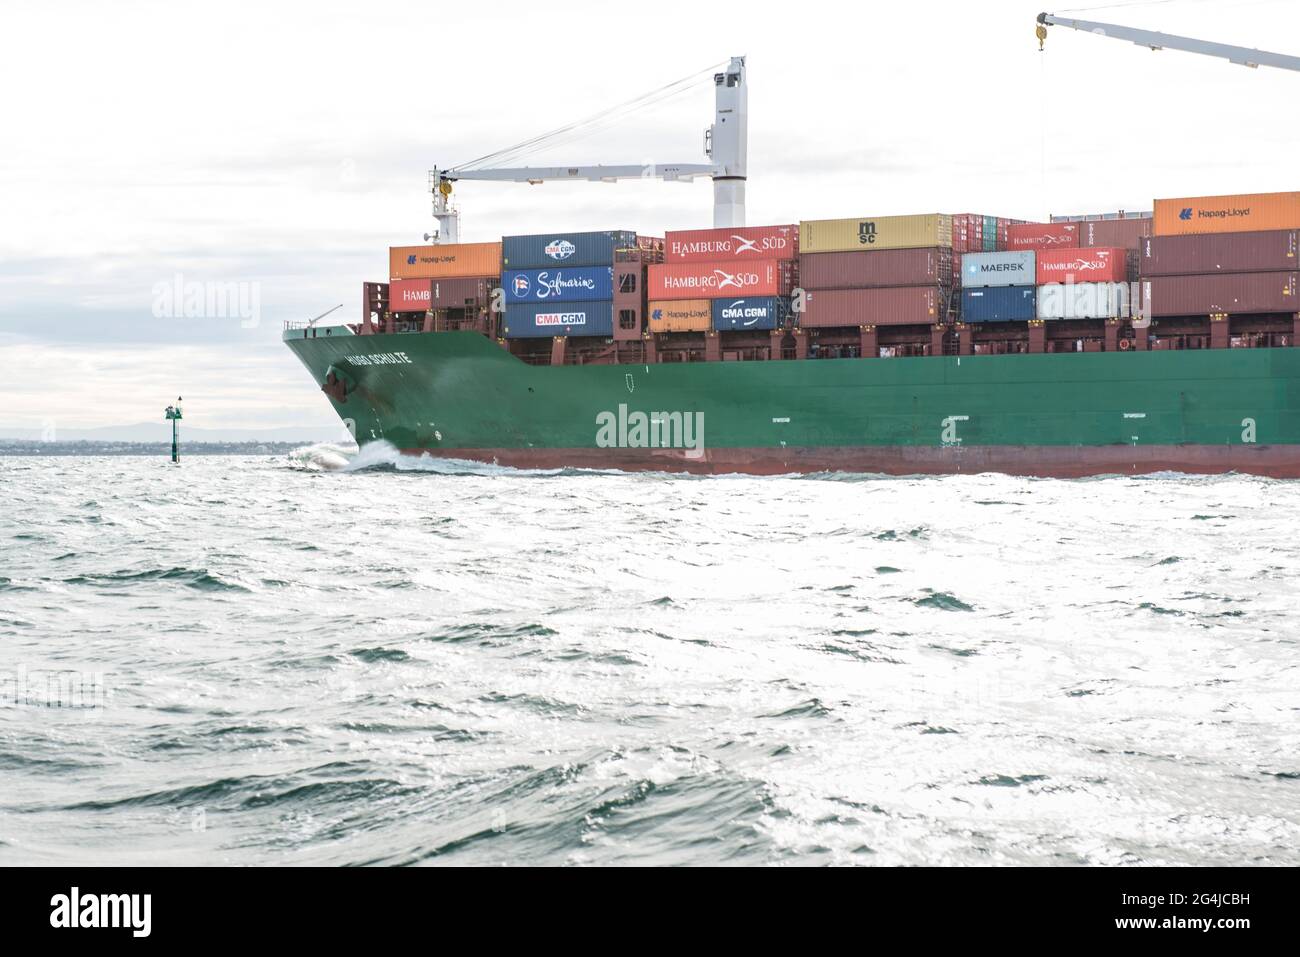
681, 315
444, 262
1248, 212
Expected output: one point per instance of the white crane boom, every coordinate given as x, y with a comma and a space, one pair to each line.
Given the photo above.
726, 143
1244, 56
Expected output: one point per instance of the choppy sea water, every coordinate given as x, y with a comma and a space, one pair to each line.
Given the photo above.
275, 661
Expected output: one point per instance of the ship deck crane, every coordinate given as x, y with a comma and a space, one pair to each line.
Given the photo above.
1245, 56
725, 144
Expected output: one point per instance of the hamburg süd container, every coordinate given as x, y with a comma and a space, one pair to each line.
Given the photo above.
879, 232
1216, 253
1083, 300
1009, 268
576, 284
763, 277
998, 304
866, 269
1042, 235
754, 313
531, 320
564, 249
910, 305
1234, 294
1100, 264
731, 244
680, 315
444, 262
420, 295
1243, 213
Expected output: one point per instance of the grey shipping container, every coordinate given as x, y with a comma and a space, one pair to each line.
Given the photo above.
876, 268
564, 249
1014, 267
1212, 253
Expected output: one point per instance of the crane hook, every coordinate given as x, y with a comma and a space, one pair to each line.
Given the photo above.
1041, 32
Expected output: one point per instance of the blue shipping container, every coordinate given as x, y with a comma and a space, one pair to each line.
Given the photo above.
998, 304
579, 284
531, 320
564, 249
757, 312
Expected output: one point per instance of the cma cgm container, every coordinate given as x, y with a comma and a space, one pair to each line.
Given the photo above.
1211, 253
867, 269
1247, 212
564, 249
879, 232
1235, 294
1042, 235
1083, 300
579, 284
530, 320
1081, 265
766, 312
419, 295
764, 277
1010, 268
680, 315
881, 307
444, 262
998, 304
731, 244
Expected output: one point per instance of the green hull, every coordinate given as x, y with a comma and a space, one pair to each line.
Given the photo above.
458, 394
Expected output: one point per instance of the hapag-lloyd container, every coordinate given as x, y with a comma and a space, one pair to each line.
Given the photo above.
577, 284
867, 269
1009, 268
530, 320
879, 232
1042, 235
1083, 300
680, 315
419, 295
1235, 294
766, 277
911, 305
1214, 253
755, 313
998, 304
444, 262
736, 244
1081, 265
564, 249
1242, 213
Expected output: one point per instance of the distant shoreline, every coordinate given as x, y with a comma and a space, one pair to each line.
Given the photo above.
35, 449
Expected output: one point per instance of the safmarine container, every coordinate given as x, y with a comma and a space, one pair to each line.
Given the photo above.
1083, 300
866, 269
1081, 265
765, 277
443, 262
564, 249
1042, 235
998, 304
882, 307
1243, 213
578, 284
1010, 268
1210, 253
530, 320
755, 313
680, 315
419, 295
1236, 294
731, 244
875, 232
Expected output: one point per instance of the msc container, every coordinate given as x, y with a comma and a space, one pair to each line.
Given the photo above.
998, 304
911, 305
765, 277
766, 312
564, 249
866, 269
1083, 300
740, 243
1122, 233
680, 315
1211, 253
530, 320
1247, 212
579, 284
1235, 294
1042, 235
879, 232
1010, 268
1081, 265
444, 262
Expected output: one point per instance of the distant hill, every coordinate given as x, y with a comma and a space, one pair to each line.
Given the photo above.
161, 432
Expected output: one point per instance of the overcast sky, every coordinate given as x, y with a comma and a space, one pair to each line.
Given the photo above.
286, 146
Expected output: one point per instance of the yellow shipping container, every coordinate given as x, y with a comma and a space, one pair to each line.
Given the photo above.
455, 260
681, 315
878, 232
1245, 213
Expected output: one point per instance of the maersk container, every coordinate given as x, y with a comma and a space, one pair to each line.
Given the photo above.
1235, 294
564, 249
754, 313
868, 269
1083, 300
1010, 268
561, 284
998, 304
531, 320
1217, 253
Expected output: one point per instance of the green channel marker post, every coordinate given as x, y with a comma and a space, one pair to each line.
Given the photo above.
174, 414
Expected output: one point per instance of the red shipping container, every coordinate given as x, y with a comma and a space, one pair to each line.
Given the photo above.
870, 268
1127, 233
731, 244
913, 305
1234, 294
1042, 235
1082, 265
717, 280
1209, 253
419, 295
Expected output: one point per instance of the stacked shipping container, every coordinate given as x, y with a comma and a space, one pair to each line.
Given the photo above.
561, 284
1232, 273
452, 280
998, 286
